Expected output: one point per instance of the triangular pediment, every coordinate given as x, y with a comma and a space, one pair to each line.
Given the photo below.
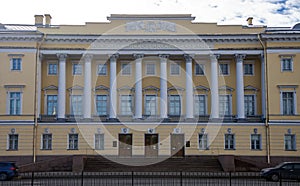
124, 88
75, 87
226, 88
102, 87
150, 88
175, 88
200, 87
249, 87
51, 87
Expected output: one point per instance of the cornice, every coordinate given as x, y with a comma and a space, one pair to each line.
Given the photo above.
21, 37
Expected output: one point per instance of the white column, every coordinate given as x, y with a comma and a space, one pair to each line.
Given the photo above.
214, 86
240, 108
39, 86
61, 109
113, 87
138, 86
189, 87
87, 102
263, 89
163, 87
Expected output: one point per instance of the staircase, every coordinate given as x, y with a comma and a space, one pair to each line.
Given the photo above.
188, 163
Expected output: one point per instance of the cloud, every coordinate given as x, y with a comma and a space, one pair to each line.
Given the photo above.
269, 12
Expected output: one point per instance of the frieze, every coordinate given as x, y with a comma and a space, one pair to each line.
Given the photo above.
150, 26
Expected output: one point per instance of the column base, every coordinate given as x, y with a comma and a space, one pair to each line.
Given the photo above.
190, 120
215, 120
61, 119
165, 120
86, 119
241, 120
138, 119
112, 120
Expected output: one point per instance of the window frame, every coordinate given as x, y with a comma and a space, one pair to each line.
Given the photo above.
12, 60
169, 105
69, 140
102, 101
230, 105
220, 69
177, 64
47, 108
48, 68
205, 145
282, 63
233, 141
145, 104
254, 106
71, 105
129, 66
293, 142
49, 147
74, 69
15, 142
294, 112
128, 101
147, 64
196, 101
259, 140
253, 68
201, 66
100, 147
102, 65
9, 103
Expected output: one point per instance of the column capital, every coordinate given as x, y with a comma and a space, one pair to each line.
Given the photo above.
214, 57
62, 57
87, 57
188, 58
165, 56
138, 56
239, 57
114, 56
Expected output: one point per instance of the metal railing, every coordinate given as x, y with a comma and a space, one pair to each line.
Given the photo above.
146, 178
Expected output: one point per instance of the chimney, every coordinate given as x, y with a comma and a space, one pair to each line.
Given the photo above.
250, 19
48, 20
39, 19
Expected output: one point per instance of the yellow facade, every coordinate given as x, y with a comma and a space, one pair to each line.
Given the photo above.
263, 48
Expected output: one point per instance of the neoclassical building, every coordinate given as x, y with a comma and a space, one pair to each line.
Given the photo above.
149, 87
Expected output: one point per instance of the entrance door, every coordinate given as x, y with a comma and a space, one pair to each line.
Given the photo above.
125, 144
151, 145
177, 145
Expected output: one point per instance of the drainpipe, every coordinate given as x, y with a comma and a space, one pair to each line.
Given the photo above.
268, 145
36, 112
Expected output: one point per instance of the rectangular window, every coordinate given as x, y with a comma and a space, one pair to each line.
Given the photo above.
174, 105
203, 141
288, 103
16, 63
249, 105
287, 64
248, 69
77, 69
51, 104
46, 141
224, 69
101, 105
102, 70
229, 142
200, 105
255, 142
126, 105
175, 69
15, 103
76, 105
150, 105
52, 69
13, 140
199, 69
224, 105
290, 141
99, 141
150, 69
126, 69
73, 142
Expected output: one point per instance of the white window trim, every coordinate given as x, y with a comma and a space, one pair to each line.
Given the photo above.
179, 66
156, 103
52, 62
207, 142
234, 139
41, 148
255, 103
107, 103
95, 141
130, 69
46, 103
281, 63
82, 70
230, 103
260, 142
203, 69
146, 64
70, 104
132, 104
68, 138
7, 142
8, 102
295, 101
97, 69
206, 106
219, 69
181, 101
253, 65
294, 142
11, 63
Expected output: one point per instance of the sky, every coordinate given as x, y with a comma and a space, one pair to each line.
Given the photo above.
283, 13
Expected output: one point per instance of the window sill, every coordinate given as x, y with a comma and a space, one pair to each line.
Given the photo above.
11, 149
290, 150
